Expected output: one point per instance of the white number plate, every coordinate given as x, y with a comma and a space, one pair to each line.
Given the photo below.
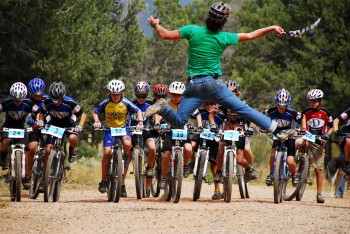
231, 135
179, 134
118, 131
207, 135
16, 133
53, 131
309, 136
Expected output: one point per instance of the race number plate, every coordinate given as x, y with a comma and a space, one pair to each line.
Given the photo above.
309, 136
16, 133
164, 126
53, 131
206, 134
231, 135
179, 134
118, 131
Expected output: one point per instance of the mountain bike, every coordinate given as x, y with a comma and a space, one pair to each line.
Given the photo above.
116, 165
17, 163
55, 170
155, 188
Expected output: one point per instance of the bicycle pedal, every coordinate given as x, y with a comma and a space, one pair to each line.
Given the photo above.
67, 168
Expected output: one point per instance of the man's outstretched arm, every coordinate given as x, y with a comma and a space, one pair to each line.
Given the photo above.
163, 32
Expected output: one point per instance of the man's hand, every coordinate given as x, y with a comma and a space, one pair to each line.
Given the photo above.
97, 125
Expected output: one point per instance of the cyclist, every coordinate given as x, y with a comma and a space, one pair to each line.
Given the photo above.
141, 91
160, 91
59, 108
344, 116
317, 120
115, 109
286, 119
204, 68
36, 89
16, 109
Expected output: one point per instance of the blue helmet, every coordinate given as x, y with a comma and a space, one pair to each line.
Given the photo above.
283, 97
36, 86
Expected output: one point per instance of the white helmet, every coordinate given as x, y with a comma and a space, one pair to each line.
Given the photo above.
314, 94
232, 85
177, 87
18, 91
115, 86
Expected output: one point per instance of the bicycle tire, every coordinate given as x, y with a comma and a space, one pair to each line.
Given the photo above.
57, 191
111, 179
199, 175
277, 181
228, 178
37, 175
246, 188
178, 176
50, 177
119, 167
137, 172
169, 187
155, 188
18, 170
240, 181
304, 173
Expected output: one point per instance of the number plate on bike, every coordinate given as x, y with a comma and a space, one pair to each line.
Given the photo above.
179, 134
53, 131
231, 135
118, 131
16, 133
309, 136
207, 135
164, 126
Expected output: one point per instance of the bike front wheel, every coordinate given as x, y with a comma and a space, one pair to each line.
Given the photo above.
240, 181
138, 171
37, 175
119, 167
304, 170
229, 176
155, 188
51, 177
16, 183
199, 175
277, 180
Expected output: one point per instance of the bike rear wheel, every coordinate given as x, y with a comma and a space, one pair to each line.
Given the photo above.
240, 181
138, 172
228, 177
37, 175
304, 173
50, 177
119, 167
16, 183
199, 176
277, 181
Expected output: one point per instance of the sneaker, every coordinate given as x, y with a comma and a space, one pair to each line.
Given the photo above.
26, 182
72, 154
217, 196
155, 108
319, 198
252, 174
282, 136
102, 186
218, 177
149, 172
347, 168
187, 170
124, 194
295, 179
269, 180
148, 192
162, 182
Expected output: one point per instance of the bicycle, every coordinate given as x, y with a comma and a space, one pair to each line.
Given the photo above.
55, 170
17, 167
115, 171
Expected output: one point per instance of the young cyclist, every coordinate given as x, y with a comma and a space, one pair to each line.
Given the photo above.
160, 91
59, 108
115, 109
141, 91
318, 121
286, 119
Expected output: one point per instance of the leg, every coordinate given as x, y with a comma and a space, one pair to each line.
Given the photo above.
102, 186
32, 147
73, 146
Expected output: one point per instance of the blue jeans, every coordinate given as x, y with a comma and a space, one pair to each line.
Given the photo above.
208, 89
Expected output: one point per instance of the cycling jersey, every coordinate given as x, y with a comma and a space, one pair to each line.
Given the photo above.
287, 120
174, 105
116, 113
15, 116
205, 119
345, 117
317, 120
60, 116
133, 120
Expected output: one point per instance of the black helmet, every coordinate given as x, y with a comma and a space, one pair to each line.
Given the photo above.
219, 11
57, 91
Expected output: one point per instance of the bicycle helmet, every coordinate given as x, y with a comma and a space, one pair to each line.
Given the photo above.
57, 91
141, 87
115, 86
283, 97
314, 94
219, 11
161, 90
36, 86
232, 85
177, 87
18, 91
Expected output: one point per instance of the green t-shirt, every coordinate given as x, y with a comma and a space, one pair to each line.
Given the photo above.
206, 48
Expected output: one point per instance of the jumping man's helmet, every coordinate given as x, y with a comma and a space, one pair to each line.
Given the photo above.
160, 89
57, 91
283, 97
115, 86
36, 86
219, 11
141, 87
18, 91
314, 94
232, 85
177, 87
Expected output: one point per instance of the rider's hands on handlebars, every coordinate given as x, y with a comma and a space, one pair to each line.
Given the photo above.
200, 129
40, 123
139, 126
325, 137
78, 128
157, 126
213, 128
97, 125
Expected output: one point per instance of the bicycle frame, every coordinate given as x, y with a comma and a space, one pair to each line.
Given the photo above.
283, 149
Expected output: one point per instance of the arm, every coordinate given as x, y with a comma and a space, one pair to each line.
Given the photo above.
199, 120
259, 33
336, 125
95, 117
163, 32
157, 118
82, 119
139, 116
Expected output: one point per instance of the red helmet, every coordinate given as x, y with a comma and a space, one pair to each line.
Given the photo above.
160, 89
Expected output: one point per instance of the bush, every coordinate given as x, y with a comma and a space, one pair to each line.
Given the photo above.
86, 151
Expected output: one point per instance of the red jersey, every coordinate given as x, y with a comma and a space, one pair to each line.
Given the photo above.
317, 120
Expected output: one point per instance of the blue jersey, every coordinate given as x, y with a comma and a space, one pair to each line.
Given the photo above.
133, 120
61, 115
15, 116
205, 119
287, 120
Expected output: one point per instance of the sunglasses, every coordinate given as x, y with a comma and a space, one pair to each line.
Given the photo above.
142, 96
161, 96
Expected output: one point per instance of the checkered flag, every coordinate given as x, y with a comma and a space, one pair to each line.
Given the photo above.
301, 32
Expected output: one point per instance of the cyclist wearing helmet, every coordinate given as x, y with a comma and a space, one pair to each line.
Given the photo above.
16, 109
286, 119
160, 91
115, 110
141, 91
317, 120
204, 69
59, 108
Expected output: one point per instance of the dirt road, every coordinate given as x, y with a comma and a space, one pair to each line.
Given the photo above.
86, 211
